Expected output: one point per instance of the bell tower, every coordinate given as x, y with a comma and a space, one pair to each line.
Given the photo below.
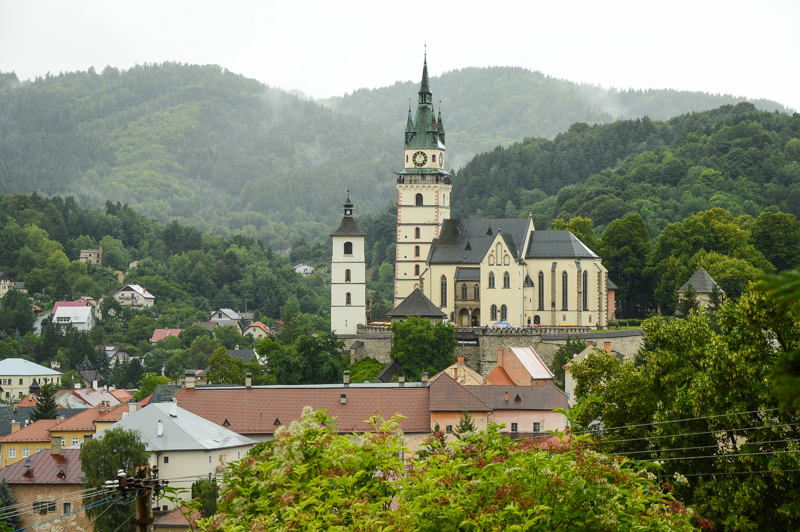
423, 192
348, 275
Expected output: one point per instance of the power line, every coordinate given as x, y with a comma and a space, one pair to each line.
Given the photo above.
678, 420
17, 509
754, 427
99, 503
734, 473
693, 448
716, 456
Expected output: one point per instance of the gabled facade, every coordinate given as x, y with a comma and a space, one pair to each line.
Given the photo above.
224, 314
17, 376
257, 330
133, 295
81, 318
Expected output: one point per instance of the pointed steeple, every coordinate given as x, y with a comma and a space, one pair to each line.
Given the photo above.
410, 122
424, 87
348, 205
440, 126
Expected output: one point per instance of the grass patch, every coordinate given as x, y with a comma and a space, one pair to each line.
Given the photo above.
365, 370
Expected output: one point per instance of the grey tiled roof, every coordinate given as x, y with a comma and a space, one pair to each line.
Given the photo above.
451, 246
164, 392
702, 283
557, 245
611, 285
348, 227
468, 274
245, 355
23, 414
416, 304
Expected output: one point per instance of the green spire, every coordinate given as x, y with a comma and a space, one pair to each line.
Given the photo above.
440, 126
410, 122
424, 88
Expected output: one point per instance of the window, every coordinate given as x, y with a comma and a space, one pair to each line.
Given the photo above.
406, 158
12, 453
416, 251
494, 312
586, 291
491, 260
506, 260
537, 427
463, 291
476, 292
506, 280
419, 200
444, 291
347, 276
348, 248
67, 508
564, 291
39, 449
541, 290
347, 299
449, 429
433, 158
74, 441
491, 279
166, 459
504, 313
43, 507
416, 270
63, 442
514, 427
20, 382
416, 232
26, 452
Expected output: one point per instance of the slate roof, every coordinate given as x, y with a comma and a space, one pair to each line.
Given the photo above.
468, 274
348, 227
160, 334
256, 410
23, 414
702, 283
37, 431
451, 246
245, 355
22, 367
446, 395
46, 468
416, 304
611, 285
547, 397
557, 245
164, 392
183, 432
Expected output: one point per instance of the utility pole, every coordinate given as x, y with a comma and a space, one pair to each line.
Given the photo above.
145, 484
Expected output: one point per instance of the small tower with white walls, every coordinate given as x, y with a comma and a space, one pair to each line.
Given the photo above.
348, 275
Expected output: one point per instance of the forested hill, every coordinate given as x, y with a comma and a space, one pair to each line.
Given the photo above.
487, 107
734, 157
197, 144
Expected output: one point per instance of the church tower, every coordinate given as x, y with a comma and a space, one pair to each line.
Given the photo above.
348, 275
423, 192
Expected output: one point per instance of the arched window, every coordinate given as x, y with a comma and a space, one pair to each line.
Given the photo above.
348, 248
347, 276
444, 291
541, 290
416, 251
491, 279
504, 313
564, 291
416, 270
491, 259
506, 280
463, 291
506, 260
347, 299
419, 200
406, 158
433, 159
494, 312
476, 292
586, 291
416, 232
537, 320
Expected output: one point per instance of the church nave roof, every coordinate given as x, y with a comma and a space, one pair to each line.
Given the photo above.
467, 241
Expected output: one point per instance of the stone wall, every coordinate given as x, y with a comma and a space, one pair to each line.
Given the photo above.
78, 522
626, 342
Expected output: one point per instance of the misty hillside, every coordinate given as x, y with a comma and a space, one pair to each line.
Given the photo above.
487, 107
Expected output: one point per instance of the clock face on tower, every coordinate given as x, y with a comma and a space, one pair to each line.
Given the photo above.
420, 159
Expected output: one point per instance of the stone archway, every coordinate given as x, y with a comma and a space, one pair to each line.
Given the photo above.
463, 317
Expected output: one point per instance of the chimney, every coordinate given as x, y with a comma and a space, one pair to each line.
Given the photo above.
425, 377
94, 384
173, 408
500, 355
55, 444
14, 426
236, 347
346, 378
77, 386
190, 379
460, 361
607, 347
589, 343
131, 406
248, 380
401, 381
160, 428
102, 407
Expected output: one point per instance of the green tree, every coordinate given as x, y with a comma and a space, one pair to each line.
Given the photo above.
45, 404
688, 301
206, 492
225, 369
563, 355
777, 236
110, 307
465, 425
16, 313
148, 383
101, 457
189, 334
417, 346
228, 336
625, 247
310, 360
7, 500
140, 329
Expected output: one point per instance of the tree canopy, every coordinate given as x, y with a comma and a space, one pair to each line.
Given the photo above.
418, 346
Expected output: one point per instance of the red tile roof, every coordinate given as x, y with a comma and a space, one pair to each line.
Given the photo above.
260, 326
47, 468
113, 415
28, 400
160, 334
255, 410
176, 518
82, 421
121, 394
446, 395
37, 431
498, 376
68, 304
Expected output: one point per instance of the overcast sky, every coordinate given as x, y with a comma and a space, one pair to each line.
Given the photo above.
325, 48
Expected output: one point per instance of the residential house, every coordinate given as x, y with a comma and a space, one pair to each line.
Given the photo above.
176, 520
462, 374
12, 417
303, 269
115, 354
117, 413
521, 365
257, 330
74, 430
183, 444
160, 334
133, 295
82, 318
60, 304
449, 400
569, 381
208, 325
26, 441
224, 314
85, 398
246, 318
6, 284
703, 286
524, 410
17, 375
92, 256
19, 285
46, 483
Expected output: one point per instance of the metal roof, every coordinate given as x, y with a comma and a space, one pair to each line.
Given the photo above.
468, 274
416, 304
46, 468
467, 241
557, 245
22, 367
348, 227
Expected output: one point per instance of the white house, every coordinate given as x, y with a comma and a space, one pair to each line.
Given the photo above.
224, 314
82, 318
133, 295
304, 269
183, 445
17, 374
